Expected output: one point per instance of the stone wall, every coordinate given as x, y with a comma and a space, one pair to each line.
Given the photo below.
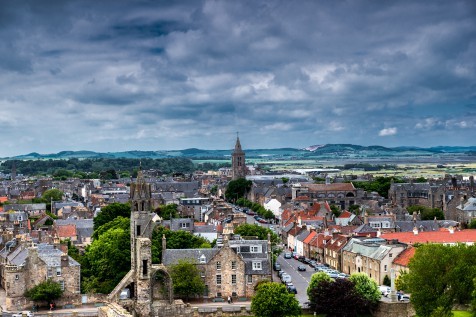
399, 309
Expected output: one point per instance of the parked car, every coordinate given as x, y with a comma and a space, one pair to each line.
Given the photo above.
301, 258
286, 278
287, 255
332, 275
342, 275
26, 313
384, 290
277, 266
291, 288
280, 273
301, 267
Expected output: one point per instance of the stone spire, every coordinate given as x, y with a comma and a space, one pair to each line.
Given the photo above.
238, 161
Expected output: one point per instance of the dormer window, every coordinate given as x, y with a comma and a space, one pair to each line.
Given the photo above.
203, 258
254, 249
256, 265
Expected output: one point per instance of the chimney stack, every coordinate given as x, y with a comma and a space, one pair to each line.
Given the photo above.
415, 230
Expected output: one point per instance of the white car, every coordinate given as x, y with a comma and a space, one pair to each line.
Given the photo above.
26, 313
384, 290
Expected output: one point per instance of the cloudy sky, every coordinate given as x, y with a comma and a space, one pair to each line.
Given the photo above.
161, 75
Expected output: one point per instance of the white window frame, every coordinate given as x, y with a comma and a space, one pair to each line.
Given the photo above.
256, 265
233, 279
218, 279
249, 279
218, 266
254, 249
58, 271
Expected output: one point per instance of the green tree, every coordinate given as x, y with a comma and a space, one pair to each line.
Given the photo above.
366, 287
472, 224
106, 261
335, 210
317, 278
167, 212
440, 276
237, 188
46, 291
110, 212
175, 240
118, 222
52, 194
386, 280
253, 230
214, 190
336, 299
273, 300
380, 185
186, 279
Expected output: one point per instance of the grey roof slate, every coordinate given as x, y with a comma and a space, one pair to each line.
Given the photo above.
52, 256
79, 223
371, 248
172, 256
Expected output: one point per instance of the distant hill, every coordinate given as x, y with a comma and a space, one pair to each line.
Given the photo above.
334, 151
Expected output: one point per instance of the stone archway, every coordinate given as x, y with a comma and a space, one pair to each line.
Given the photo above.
162, 287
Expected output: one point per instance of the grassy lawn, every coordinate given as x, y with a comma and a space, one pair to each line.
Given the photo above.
461, 313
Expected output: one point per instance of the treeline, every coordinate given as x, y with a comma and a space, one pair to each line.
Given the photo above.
380, 185
97, 165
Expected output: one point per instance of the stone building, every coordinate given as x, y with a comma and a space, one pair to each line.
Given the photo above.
340, 194
233, 269
29, 265
373, 256
238, 165
411, 194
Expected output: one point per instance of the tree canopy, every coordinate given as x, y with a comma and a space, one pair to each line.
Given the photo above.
106, 260
186, 279
180, 239
440, 276
336, 298
317, 278
427, 213
366, 287
167, 212
52, 194
380, 185
274, 300
237, 189
45, 291
110, 212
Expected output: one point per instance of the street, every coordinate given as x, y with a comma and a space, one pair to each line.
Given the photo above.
299, 279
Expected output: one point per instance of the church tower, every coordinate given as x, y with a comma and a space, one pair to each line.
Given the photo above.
238, 161
142, 225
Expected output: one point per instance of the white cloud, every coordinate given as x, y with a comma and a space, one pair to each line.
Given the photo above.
388, 132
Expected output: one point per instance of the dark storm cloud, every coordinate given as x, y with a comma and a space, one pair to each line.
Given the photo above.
116, 75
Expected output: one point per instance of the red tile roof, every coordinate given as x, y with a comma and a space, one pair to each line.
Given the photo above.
442, 236
310, 237
404, 257
66, 231
3, 199
345, 214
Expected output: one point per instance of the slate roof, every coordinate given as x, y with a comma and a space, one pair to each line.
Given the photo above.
52, 256
303, 235
331, 187
422, 225
172, 256
205, 229
372, 248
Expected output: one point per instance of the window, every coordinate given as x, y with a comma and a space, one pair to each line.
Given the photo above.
249, 279
20, 218
138, 230
185, 225
256, 265
49, 272
61, 283
233, 265
203, 258
144, 267
254, 249
218, 294
233, 279
17, 277
218, 279
58, 271
218, 265
385, 268
390, 255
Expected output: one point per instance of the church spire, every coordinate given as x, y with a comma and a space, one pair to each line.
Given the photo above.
238, 160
